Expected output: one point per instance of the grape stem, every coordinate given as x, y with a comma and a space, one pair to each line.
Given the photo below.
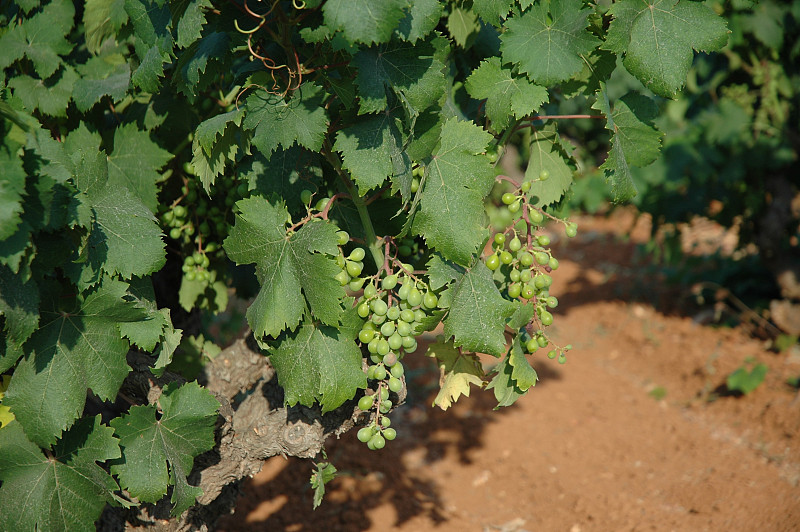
371, 238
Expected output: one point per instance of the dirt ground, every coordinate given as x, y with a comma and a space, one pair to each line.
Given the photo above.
635, 432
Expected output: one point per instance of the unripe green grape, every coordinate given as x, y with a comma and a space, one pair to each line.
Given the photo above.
387, 329
370, 291
515, 244
542, 341
414, 297
378, 319
514, 275
552, 301
340, 261
429, 300
389, 433
514, 290
562, 358
191, 275
242, 190
229, 201
543, 240
168, 216
370, 446
403, 291
499, 239
342, 237
540, 281
365, 434
506, 257
407, 315
175, 233
546, 318
395, 384
409, 344
383, 349
508, 198
379, 306
552, 354
526, 186
514, 207
536, 217
526, 292
356, 284
372, 347
397, 370
492, 157
393, 313
390, 359
389, 282
211, 247
493, 261
189, 261
544, 175
395, 341
363, 309
386, 406
542, 257
525, 258
571, 230
180, 211
531, 346
384, 394
342, 277
525, 276
305, 197
357, 254
369, 326
365, 403
380, 371
419, 315
321, 203
568, 347
404, 250
354, 268
403, 328
414, 185
553, 263
187, 268
385, 422
204, 228
366, 336
378, 442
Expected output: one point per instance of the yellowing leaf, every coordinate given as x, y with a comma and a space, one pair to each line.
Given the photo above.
458, 371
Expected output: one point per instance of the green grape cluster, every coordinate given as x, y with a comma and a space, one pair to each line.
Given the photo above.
199, 222
351, 266
393, 311
522, 260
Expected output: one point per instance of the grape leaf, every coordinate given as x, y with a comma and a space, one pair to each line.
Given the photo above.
463, 26
287, 266
451, 215
151, 21
325, 472
412, 71
151, 445
522, 316
285, 173
492, 11
477, 317
634, 140
41, 38
147, 332
190, 26
278, 122
442, 271
210, 152
102, 19
135, 163
204, 57
12, 187
372, 150
64, 491
70, 352
107, 75
422, 18
506, 95
522, 373
547, 154
658, 36
319, 364
547, 43
364, 21
19, 303
49, 97
505, 387
457, 372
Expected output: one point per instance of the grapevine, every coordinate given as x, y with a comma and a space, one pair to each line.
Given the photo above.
332, 162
